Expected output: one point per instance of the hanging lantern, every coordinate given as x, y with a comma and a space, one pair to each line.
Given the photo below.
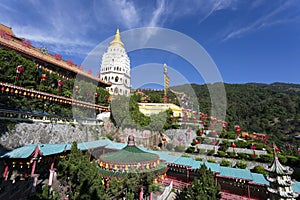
20, 69
77, 88
60, 83
16, 92
96, 95
196, 142
233, 145
7, 90
11, 90
238, 130
163, 139
43, 77
2, 89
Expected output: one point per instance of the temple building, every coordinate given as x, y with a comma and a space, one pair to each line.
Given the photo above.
115, 67
130, 159
279, 177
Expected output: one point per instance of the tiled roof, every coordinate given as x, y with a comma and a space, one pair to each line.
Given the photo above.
259, 179
50, 149
129, 154
22, 152
235, 173
214, 167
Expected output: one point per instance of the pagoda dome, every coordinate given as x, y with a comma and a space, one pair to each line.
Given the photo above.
130, 159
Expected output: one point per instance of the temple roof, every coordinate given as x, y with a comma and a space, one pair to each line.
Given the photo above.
117, 40
129, 154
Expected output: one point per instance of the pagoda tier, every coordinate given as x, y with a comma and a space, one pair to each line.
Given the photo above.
280, 180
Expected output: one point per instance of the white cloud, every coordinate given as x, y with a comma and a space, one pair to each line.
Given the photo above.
156, 15
262, 22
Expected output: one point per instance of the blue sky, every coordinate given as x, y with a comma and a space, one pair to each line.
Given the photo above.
250, 41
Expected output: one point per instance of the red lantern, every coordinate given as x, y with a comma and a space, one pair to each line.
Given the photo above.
96, 95
196, 142
2, 89
164, 139
43, 77
238, 130
20, 69
60, 83
233, 145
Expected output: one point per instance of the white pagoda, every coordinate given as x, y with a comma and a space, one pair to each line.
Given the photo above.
280, 180
115, 67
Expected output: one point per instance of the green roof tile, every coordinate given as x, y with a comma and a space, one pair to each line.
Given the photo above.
128, 154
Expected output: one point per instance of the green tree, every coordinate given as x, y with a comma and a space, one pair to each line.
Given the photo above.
203, 187
80, 176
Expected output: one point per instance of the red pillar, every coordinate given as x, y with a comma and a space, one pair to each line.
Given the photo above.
5, 172
141, 194
248, 191
51, 173
36, 152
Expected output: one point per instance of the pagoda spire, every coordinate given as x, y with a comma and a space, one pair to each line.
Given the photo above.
117, 40
280, 179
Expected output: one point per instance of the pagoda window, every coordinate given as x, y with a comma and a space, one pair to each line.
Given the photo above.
116, 79
116, 90
105, 78
117, 68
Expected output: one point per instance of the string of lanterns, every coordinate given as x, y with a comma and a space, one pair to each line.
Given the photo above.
16, 90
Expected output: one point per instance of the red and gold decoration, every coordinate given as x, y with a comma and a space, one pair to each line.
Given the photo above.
43, 78
20, 69
60, 83
237, 130
30, 93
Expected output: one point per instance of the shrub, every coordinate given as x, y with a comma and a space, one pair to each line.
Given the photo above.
266, 158
231, 154
241, 165
221, 154
259, 169
202, 150
225, 163
211, 161
190, 149
211, 152
242, 155
198, 159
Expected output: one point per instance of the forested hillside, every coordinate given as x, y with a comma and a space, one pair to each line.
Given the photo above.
265, 108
